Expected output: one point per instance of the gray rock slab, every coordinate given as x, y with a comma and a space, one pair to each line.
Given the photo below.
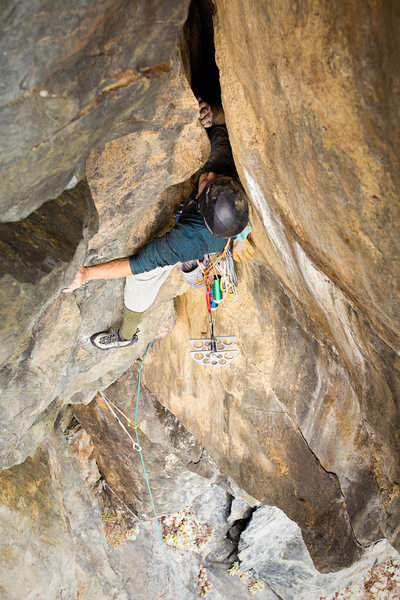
272, 547
70, 74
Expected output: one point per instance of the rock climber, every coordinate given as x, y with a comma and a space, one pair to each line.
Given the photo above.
218, 210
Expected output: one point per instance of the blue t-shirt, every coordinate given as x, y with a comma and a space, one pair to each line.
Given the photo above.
189, 239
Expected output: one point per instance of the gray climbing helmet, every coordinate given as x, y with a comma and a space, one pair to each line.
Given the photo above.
224, 207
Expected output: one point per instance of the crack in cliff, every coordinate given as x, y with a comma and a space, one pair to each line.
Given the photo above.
273, 591
331, 474
197, 462
124, 79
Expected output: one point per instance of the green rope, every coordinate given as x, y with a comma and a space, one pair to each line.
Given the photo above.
147, 479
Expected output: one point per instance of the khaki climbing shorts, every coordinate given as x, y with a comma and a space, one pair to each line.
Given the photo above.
141, 290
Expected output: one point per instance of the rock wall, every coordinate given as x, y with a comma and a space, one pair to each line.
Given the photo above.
68, 526
47, 348
309, 94
100, 139
74, 76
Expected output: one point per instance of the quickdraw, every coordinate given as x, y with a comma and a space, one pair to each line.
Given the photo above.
220, 282
130, 422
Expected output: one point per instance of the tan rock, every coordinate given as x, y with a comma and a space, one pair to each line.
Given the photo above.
128, 174
310, 101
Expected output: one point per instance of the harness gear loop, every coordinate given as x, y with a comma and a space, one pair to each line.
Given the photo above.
219, 280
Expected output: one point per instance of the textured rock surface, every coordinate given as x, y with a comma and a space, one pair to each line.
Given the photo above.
307, 417
36, 253
253, 436
316, 139
314, 124
127, 175
49, 351
33, 531
89, 72
168, 449
273, 548
313, 403
50, 520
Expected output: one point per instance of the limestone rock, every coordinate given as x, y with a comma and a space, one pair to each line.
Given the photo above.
127, 175
310, 101
254, 437
307, 417
40, 319
53, 540
74, 76
173, 485
34, 531
310, 96
272, 548
36, 254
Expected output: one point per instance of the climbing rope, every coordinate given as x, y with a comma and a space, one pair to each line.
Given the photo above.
229, 281
136, 446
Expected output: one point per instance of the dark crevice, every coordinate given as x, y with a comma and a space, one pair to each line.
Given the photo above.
240, 525
333, 476
198, 51
197, 462
235, 531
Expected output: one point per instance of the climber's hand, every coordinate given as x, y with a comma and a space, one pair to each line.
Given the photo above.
242, 250
206, 113
81, 277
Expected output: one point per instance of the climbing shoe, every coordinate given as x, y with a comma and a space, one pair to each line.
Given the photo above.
112, 339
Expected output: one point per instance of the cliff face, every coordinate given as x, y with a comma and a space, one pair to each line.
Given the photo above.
312, 403
125, 198
100, 139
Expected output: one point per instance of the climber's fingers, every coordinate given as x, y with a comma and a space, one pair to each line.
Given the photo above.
80, 278
248, 252
242, 250
206, 113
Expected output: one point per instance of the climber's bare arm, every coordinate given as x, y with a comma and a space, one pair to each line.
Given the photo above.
210, 114
111, 270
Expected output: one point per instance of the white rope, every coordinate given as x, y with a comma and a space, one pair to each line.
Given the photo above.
122, 502
122, 413
135, 445
222, 266
228, 279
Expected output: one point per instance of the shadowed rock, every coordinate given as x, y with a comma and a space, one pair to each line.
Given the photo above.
306, 418
74, 76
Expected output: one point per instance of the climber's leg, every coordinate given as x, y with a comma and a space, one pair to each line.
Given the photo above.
140, 292
130, 323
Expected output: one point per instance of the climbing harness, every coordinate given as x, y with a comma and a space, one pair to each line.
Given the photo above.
136, 446
220, 282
